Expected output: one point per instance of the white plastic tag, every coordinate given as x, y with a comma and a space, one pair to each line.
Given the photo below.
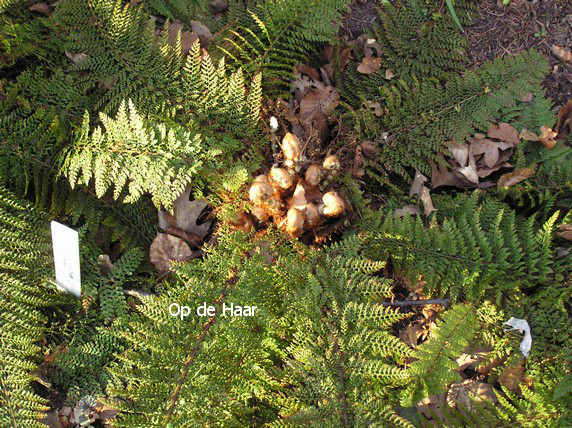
523, 327
65, 242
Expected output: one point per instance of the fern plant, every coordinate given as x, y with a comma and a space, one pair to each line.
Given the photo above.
25, 292
279, 35
435, 368
482, 249
343, 365
420, 116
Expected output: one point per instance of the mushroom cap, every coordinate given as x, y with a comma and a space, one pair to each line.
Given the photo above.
260, 214
333, 204
260, 191
281, 178
313, 175
313, 217
295, 222
291, 146
332, 163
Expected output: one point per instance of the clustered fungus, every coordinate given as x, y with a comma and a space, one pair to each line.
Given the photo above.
299, 196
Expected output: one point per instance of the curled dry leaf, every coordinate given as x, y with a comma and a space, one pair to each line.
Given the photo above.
526, 98
190, 238
565, 231
459, 151
504, 132
76, 58
547, 137
417, 185
185, 215
490, 149
511, 377
375, 106
317, 102
218, 6
359, 163
564, 125
526, 135
187, 37
512, 178
466, 392
166, 248
561, 52
369, 148
425, 197
389, 74
407, 209
43, 8
203, 32
369, 65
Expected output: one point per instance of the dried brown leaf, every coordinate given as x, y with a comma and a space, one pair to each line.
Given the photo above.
417, 185
185, 215
203, 32
459, 151
561, 52
43, 8
512, 377
389, 74
317, 101
407, 209
369, 65
425, 197
504, 132
165, 248
565, 231
525, 134
512, 178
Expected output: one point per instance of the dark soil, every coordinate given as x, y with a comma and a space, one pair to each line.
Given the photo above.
499, 31
506, 30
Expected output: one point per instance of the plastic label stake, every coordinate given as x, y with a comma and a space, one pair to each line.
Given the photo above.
65, 242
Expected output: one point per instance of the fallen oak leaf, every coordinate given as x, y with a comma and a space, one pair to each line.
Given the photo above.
512, 178
490, 150
43, 8
504, 132
547, 137
166, 248
425, 197
318, 101
203, 32
185, 215
562, 53
418, 184
459, 151
369, 65
526, 135
565, 231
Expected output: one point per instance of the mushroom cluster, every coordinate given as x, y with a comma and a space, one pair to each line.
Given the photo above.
298, 202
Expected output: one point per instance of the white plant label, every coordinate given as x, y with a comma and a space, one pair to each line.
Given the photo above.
65, 242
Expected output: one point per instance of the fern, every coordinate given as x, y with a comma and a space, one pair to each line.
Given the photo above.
279, 35
419, 117
434, 370
24, 293
343, 358
481, 250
